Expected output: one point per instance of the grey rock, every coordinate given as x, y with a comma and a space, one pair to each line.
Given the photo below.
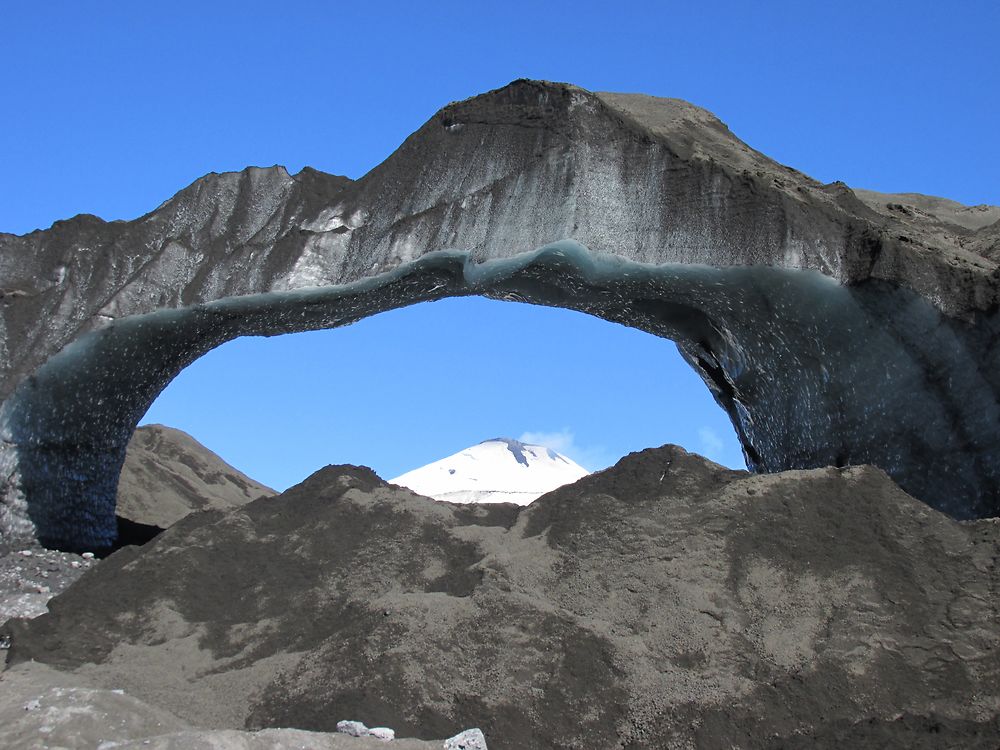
353, 728
22, 593
834, 329
26, 604
470, 739
665, 602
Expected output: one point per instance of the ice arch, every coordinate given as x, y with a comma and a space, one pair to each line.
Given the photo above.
405, 387
831, 331
858, 385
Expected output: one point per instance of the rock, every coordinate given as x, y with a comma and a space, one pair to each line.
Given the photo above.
382, 733
666, 601
833, 329
470, 739
267, 739
24, 605
22, 591
353, 728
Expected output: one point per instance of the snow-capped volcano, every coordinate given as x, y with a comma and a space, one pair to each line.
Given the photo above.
495, 471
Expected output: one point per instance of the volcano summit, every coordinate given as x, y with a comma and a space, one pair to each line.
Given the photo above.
501, 470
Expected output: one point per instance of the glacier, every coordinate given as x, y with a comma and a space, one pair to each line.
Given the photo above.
857, 356
832, 330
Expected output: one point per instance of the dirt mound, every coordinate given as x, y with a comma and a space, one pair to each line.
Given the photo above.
665, 601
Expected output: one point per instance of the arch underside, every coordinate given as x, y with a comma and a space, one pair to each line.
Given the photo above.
811, 372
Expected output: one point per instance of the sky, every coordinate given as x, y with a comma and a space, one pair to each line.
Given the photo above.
110, 108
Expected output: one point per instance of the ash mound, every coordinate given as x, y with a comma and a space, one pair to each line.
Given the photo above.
167, 475
664, 602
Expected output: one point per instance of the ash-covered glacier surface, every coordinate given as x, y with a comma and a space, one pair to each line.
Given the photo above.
833, 328
810, 371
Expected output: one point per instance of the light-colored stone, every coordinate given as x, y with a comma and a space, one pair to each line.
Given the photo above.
353, 728
470, 739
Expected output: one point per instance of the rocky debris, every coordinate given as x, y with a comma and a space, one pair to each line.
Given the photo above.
43, 708
358, 729
31, 576
834, 330
168, 474
664, 602
267, 739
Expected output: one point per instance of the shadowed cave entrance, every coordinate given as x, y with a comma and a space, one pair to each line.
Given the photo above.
810, 373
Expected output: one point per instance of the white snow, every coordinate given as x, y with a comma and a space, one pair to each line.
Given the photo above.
495, 471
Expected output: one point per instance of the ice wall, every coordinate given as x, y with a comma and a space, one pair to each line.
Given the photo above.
811, 372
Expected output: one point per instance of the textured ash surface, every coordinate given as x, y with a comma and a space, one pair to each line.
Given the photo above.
666, 602
834, 329
168, 474
41, 709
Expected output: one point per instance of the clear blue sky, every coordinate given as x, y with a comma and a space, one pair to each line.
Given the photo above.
109, 108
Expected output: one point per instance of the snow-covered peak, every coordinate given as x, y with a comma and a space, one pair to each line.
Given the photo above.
494, 471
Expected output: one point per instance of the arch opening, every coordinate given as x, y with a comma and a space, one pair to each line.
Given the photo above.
407, 387
810, 372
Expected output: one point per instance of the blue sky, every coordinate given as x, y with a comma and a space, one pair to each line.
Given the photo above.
112, 107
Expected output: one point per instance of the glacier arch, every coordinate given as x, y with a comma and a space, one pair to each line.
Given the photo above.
405, 387
833, 326
745, 330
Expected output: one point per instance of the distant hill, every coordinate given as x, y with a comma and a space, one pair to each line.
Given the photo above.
168, 474
494, 471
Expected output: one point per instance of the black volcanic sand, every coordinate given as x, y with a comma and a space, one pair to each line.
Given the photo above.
666, 602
